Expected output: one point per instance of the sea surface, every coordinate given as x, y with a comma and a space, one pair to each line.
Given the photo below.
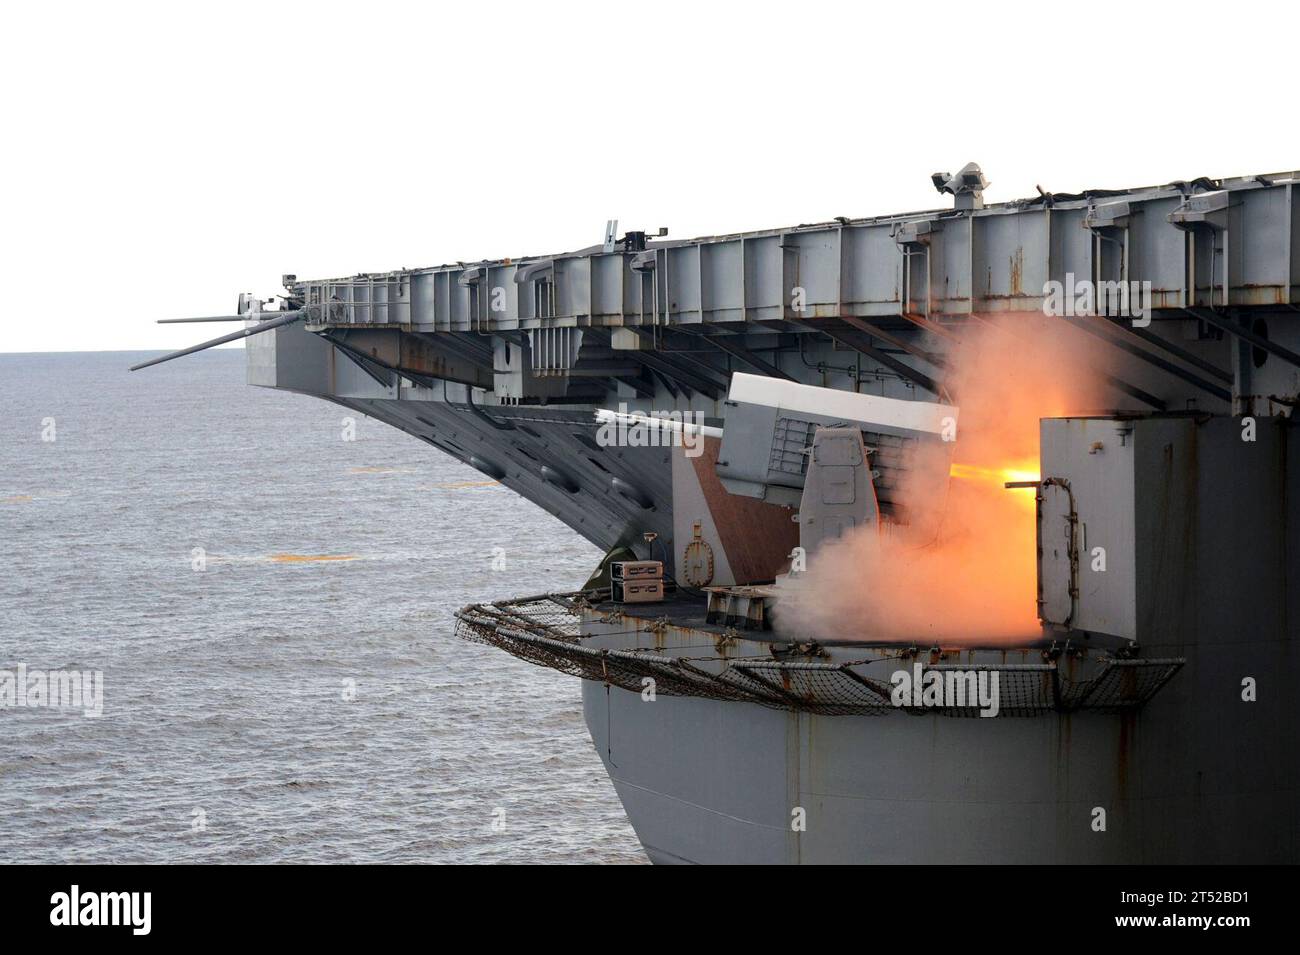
270, 605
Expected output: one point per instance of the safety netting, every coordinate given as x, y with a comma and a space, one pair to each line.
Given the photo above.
548, 631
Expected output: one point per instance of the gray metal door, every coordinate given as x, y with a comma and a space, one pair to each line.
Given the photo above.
1058, 552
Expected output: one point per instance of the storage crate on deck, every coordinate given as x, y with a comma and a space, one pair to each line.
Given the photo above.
637, 570
637, 581
638, 591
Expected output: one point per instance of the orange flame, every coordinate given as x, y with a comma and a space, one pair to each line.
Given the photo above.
1025, 471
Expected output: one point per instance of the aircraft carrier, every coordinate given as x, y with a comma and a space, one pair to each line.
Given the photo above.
719, 414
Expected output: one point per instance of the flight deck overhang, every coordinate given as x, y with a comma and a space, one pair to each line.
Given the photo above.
1205, 243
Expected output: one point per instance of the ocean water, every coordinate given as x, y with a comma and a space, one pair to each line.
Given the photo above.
260, 703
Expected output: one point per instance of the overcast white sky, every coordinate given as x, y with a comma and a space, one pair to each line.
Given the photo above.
161, 158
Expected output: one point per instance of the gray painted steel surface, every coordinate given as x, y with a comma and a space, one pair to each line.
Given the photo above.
1230, 243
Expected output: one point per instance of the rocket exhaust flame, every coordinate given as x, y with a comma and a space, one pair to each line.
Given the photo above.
1002, 475
1007, 478
963, 570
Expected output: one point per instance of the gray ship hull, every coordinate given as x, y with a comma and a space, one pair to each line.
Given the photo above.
705, 781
